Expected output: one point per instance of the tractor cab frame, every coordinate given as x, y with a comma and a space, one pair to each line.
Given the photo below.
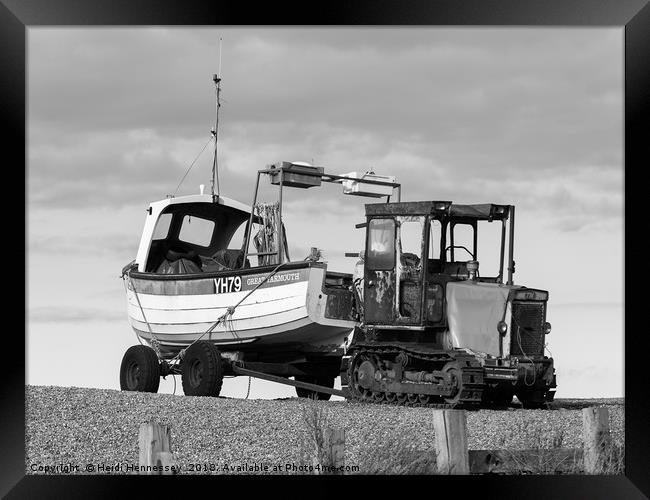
406, 290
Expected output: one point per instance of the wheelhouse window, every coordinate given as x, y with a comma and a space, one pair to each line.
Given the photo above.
161, 230
381, 244
196, 231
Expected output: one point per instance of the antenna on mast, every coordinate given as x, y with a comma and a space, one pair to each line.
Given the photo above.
215, 167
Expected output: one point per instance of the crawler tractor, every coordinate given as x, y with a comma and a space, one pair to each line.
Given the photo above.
433, 331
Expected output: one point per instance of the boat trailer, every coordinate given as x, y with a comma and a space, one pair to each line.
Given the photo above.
273, 372
240, 370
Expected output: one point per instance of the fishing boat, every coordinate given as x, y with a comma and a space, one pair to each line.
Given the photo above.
192, 283
185, 278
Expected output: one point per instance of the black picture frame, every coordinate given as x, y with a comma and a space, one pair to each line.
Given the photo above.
632, 15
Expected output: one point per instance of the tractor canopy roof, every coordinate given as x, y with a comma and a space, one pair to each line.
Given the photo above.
440, 210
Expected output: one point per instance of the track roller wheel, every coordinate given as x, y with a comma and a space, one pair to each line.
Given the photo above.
202, 370
140, 370
413, 398
366, 395
378, 397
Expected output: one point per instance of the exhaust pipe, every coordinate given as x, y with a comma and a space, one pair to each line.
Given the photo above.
472, 269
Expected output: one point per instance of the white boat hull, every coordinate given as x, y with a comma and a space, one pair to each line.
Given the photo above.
288, 312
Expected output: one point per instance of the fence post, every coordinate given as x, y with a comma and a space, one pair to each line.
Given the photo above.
155, 447
335, 442
596, 438
450, 428
332, 453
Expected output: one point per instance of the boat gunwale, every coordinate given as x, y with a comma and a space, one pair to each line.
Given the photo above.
141, 275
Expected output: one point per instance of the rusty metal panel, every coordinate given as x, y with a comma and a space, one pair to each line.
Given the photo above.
434, 302
293, 175
339, 305
402, 208
379, 297
410, 302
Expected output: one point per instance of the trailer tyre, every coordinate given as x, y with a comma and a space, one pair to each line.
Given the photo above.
306, 393
202, 370
140, 370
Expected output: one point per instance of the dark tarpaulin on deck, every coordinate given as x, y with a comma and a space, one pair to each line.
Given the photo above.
180, 266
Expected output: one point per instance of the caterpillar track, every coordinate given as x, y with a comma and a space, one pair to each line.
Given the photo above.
464, 382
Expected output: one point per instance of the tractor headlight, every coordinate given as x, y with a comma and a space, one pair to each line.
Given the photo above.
547, 328
502, 327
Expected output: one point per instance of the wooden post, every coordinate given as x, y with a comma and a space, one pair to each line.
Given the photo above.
596, 438
335, 443
332, 454
450, 428
155, 447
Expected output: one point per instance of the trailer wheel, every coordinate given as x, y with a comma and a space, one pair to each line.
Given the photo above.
140, 370
202, 370
306, 393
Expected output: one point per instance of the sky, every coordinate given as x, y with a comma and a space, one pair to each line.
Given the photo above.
525, 116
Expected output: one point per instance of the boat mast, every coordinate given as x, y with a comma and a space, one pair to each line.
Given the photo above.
215, 167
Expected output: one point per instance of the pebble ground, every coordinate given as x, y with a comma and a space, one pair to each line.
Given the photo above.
81, 426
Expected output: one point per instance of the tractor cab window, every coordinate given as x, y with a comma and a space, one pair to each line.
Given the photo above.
460, 244
489, 248
460, 248
434, 264
410, 245
409, 272
381, 244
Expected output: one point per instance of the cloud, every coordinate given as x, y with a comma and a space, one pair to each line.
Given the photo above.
72, 235
100, 169
109, 244
72, 315
525, 116
475, 89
